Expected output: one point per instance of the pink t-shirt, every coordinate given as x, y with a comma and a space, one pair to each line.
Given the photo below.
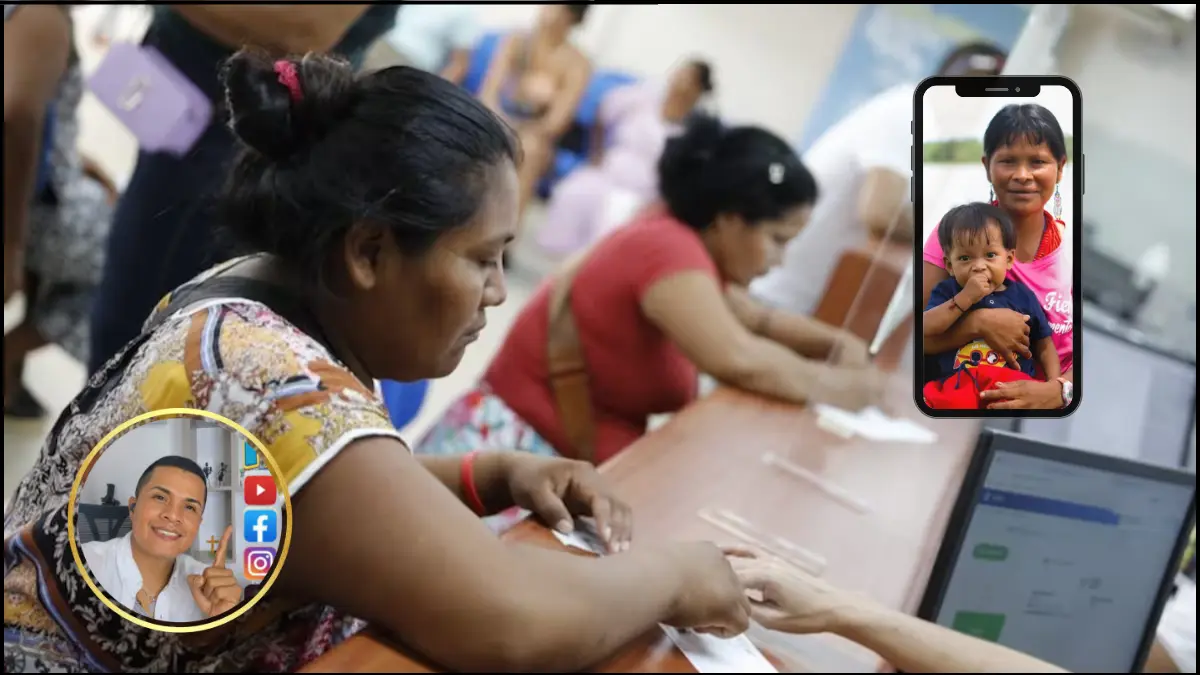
1051, 278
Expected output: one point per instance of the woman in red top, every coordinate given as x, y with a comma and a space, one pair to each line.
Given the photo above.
663, 298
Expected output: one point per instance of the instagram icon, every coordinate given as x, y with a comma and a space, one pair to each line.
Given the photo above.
257, 562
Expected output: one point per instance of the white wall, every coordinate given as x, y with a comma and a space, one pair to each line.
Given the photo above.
770, 62
124, 460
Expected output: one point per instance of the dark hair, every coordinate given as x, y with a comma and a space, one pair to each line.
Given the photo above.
709, 170
398, 147
578, 11
959, 60
174, 462
1028, 121
704, 76
972, 220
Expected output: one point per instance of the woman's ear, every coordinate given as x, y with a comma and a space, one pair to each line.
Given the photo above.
132, 501
987, 171
1062, 163
363, 248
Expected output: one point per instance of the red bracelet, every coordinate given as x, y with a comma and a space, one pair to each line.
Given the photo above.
467, 478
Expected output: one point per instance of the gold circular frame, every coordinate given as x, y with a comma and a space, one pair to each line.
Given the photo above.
272, 467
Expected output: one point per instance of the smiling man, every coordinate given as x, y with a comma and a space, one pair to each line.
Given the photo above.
149, 571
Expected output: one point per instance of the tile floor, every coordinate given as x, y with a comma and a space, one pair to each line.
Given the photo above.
55, 378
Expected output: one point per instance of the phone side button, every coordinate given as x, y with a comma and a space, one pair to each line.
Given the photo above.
1082, 174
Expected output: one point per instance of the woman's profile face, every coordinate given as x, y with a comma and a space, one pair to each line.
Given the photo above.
745, 251
1023, 176
415, 315
685, 84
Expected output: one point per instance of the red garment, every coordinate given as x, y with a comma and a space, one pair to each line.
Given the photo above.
635, 370
961, 390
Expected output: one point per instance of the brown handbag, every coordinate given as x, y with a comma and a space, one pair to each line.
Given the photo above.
569, 380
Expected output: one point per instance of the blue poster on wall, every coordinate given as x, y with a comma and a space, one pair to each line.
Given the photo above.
891, 44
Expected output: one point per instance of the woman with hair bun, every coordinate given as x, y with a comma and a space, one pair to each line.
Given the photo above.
374, 209
659, 300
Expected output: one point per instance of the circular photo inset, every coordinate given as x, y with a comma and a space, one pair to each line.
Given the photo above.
180, 520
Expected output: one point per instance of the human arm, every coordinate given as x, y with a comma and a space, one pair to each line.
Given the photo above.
444, 584
1047, 356
804, 335
37, 45
690, 308
281, 29
499, 70
1006, 331
464, 33
884, 206
555, 489
93, 170
948, 304
790, 600
456, 68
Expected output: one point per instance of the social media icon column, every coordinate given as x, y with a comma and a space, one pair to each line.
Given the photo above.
260, 525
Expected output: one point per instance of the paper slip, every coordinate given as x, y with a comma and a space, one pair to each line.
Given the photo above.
711, 654
872, 424
583, 537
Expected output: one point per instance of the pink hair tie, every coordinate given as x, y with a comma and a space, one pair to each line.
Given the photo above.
288, 77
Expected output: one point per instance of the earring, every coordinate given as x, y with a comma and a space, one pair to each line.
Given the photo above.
1057, 203
991, 194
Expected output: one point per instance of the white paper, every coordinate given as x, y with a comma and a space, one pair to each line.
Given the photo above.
711, 654
872, 424
583, 537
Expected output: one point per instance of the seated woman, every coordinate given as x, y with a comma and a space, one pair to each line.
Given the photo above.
630, 132
535, 82
376, 207
58, 219
657, 301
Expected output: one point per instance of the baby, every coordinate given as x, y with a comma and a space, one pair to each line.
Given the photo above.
980, 244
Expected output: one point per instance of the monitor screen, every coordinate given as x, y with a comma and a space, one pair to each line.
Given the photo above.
1137, 403
1062, 560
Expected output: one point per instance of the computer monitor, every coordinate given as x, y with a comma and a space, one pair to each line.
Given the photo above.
1138, 402
1062, 554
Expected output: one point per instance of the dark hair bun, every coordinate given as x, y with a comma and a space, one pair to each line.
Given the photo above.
262, 112
686, 154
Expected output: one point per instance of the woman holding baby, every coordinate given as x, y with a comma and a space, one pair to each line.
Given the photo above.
1025, 152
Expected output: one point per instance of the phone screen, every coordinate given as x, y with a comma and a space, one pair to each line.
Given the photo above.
997, 189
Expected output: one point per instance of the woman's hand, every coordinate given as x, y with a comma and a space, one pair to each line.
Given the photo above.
851, 389
712, 600
1006, 332
559, 490
786, 599
1024, 395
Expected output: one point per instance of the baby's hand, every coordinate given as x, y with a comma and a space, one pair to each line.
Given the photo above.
977, 288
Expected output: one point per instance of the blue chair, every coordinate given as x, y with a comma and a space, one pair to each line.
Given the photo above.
403, 400
481, 60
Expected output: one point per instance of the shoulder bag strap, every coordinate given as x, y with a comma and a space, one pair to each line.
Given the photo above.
569, 380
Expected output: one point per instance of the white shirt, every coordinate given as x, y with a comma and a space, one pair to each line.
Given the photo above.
115, 571
427, 34
877, 134
1177, 627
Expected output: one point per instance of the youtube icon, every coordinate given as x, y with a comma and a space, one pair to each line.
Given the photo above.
259, 491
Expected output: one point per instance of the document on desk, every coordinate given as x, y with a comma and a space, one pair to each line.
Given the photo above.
711, 654
872, 424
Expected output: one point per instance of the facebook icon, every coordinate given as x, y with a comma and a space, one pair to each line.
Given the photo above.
259, 526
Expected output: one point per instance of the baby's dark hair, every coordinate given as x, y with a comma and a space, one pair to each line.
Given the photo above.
397, 148
174, 462
1028, 121
748, 171
972, 220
